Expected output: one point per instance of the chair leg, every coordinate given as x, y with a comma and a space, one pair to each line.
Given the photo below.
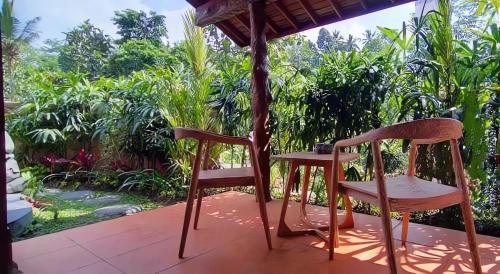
263, 211
389, 243
334, 232
190, 199
404, 229
332, 191
187, 219
384, 206
471, 236
199, 198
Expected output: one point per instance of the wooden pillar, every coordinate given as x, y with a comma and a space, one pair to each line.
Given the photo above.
5, 239
261, 95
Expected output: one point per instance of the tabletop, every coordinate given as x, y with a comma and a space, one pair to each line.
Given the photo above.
312, 158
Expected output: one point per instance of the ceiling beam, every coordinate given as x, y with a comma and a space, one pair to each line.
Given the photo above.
289, 17
239, 38
336, 8
309, 10
243, 21
345, 15
363, 4
215, 11
272, 26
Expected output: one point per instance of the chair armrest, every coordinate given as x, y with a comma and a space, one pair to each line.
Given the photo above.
357, 140
202, 135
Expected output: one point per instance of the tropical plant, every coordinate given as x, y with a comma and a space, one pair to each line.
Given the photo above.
86, 50
137, 25
14, 36
135, 55
153, 182
33, 176
346, 98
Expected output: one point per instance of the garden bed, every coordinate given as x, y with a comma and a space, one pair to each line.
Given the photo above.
60, 213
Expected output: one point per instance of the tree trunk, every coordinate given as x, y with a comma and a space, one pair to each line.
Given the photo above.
261, 96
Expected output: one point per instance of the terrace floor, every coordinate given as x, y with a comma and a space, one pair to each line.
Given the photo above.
230, 239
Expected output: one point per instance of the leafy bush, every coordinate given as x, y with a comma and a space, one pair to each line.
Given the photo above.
136, 55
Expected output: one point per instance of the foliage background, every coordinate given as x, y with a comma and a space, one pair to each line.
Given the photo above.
118, 100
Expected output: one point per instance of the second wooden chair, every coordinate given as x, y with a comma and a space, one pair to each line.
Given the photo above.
408, 193
203, 178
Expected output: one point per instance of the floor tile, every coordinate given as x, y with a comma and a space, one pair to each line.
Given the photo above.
61, 261
40, 245
123, 242
97, 268
148, 259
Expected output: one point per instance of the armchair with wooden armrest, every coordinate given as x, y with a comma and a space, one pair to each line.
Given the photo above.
203, 178
407, 193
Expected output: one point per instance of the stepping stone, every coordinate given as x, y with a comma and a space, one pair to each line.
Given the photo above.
17, 185
19, 213
49, 191
76, 195
12, 169
104, 200
9, 144
114, 210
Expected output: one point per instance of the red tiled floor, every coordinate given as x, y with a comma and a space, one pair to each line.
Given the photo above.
61, 261
41, 245
123, 242
100, 267
230, 239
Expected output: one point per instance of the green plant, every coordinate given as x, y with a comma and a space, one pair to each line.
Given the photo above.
34, 179
135, 55
151, 181
14, 37
58, 109
86, 50
137, 25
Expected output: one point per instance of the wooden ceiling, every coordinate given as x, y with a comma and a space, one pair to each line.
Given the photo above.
284, 17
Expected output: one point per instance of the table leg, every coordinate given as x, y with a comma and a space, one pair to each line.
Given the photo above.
303, 195
348, 220
283, 229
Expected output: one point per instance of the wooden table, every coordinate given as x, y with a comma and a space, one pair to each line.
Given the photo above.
309, 159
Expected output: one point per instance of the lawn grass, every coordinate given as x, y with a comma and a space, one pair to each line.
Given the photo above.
66, 214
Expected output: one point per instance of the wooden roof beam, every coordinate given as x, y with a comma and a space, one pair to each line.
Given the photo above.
289, 17
363, 4
309, 10
272, 26
242, 20
241, 39
336, 8
215, 11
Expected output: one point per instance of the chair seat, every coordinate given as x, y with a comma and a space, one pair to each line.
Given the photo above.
406, 193
226, 177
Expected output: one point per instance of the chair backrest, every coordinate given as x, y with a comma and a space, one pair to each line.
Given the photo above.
203, 135
425, 131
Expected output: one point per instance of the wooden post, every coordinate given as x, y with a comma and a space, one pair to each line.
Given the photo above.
5, 239
261, 96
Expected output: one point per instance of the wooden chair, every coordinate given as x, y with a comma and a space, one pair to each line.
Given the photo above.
203, 178
407, 193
